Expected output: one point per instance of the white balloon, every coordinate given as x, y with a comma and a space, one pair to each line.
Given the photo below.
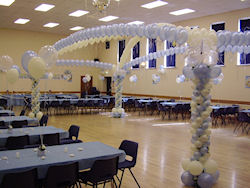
12, 75
36, 67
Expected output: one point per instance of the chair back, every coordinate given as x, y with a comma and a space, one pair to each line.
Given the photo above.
2, 124
17, 142
131, 149
103, 170
74, 131
27, 179
62, 175
4, 114
51, 139
22, 113
19, 124
242, 117
44, 120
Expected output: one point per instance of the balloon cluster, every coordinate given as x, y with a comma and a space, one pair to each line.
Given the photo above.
36, 65
234, 42
101, 77
89, 63
155, 55
133, 78
180, 78
161, 69
13, 71
117, 31
155, 78
86, 78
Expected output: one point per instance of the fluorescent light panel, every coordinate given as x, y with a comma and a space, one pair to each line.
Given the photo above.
21, 21
51, 25
76, 28
44, 7
182, 11
108, 18
6, 2
154, 4
136, 22
78, 13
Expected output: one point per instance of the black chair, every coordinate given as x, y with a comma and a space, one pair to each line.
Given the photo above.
4, 114
3, 103
44, 120
162, 110
51, 139
131, 149
17, 142
27, 179
73, 132
22, 113
101, 172
244, 120
19, 124
2, 124
62, 176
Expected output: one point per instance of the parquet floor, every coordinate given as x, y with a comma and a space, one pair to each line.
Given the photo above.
162, 146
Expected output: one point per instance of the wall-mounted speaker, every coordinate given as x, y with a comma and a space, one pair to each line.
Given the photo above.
107, 45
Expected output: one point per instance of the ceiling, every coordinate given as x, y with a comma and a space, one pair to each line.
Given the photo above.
126, 10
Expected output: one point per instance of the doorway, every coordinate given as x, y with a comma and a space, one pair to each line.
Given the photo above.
108, 84
85, 87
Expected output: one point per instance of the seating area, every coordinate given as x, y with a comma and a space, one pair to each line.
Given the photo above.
125, 94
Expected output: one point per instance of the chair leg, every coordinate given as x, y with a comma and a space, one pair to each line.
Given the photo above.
120, 180
113, 179
134, 178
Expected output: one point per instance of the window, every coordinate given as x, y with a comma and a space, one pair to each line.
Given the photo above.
170, 60
136, 53
244, 25
121, 47
151, 49
218, 27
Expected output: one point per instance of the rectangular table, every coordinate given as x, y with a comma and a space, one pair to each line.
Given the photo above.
56, 155
8, 120
9, 112
33, 132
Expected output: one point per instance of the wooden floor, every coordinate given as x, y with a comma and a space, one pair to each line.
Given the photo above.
162, 146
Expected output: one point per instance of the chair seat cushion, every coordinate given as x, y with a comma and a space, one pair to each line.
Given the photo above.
125, 164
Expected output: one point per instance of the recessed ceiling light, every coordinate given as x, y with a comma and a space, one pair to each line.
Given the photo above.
76, 28
78, 13
154, 4
44, 7
136, 22
108, 18
182, 11
21, 21
6, 2
242, 0
51, 25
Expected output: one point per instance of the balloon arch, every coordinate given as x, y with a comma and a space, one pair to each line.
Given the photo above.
201, 47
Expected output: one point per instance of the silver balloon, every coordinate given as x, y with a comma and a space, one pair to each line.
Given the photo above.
205, 180
5, 63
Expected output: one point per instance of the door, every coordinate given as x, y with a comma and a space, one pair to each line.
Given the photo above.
108, 81
85, 87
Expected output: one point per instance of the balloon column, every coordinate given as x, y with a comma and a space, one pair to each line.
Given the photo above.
36, 67
199, 169
118, 111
